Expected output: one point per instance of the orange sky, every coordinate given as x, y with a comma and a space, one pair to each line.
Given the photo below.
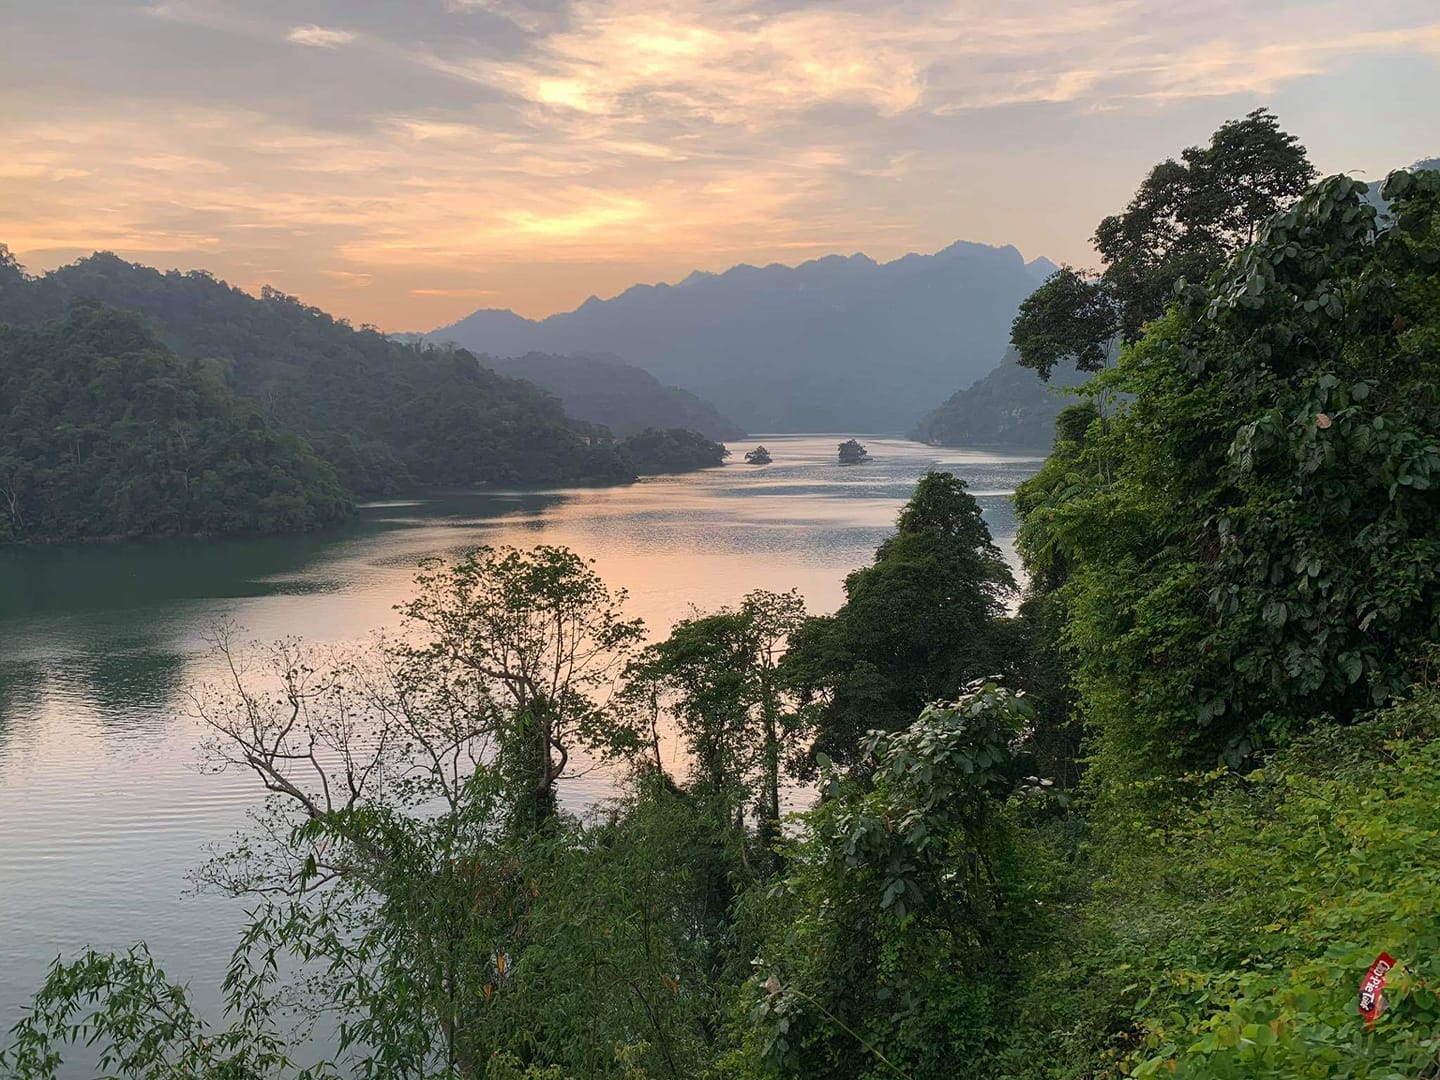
405, 163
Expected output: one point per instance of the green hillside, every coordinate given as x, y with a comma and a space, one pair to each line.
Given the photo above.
107, 433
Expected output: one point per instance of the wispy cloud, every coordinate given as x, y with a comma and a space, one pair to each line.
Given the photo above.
535, 151
320, 37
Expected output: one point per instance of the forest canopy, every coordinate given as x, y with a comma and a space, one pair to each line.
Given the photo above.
108, 433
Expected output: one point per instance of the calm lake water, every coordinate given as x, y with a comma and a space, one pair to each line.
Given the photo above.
102, 810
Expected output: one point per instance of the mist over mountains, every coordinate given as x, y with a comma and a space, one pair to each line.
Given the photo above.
835, 344
605, 390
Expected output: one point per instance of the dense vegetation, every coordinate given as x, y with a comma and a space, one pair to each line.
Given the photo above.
107, 433
386, 415
1008, 409
649, 452
605, 391
1159, 821
381, 415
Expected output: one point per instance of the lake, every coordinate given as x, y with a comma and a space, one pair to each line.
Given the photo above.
102, 809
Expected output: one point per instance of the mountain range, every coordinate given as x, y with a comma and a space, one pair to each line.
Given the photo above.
834, 344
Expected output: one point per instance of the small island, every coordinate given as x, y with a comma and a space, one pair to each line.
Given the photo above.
852, 453
758, 456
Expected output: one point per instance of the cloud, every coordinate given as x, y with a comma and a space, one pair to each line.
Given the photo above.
528, 16
752, 63
460, 294
319, 37
538, 151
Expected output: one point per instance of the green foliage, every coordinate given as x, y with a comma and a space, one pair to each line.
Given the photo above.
758, 456
1251, 539
385, 415
1183, 222
145, 1026
1189, 216
1230, 939
107, 433
852, 452
650, 452
922, 621
540, 631
1072, 316
717, 678
886, 927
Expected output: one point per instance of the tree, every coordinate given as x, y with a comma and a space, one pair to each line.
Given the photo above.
921, 622
758, 456
1184, 221
885, 935
852, 453
718, 677
545, 635
1257, 553
1073, 315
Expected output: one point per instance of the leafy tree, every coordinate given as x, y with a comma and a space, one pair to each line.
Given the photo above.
1074, 315
147, 1028
886, 929
758, 456
107, 433
852, 453
1186, 219
718, 677
917, 625
1254, 544
542, 632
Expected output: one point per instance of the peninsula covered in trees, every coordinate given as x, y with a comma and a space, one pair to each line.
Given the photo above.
1157, 813
334, 413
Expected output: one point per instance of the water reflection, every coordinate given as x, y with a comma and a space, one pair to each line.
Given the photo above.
132, 689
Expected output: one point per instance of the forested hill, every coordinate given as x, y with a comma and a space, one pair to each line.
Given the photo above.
1009, 408
834, 344
108, 433
606, 390
386, 415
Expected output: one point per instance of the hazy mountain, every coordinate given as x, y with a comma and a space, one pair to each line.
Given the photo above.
624, 398
1010, 408
834, 344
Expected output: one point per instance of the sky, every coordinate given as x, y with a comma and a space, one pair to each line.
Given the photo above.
403, 162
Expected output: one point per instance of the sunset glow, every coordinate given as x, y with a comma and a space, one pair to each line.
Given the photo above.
401, 164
